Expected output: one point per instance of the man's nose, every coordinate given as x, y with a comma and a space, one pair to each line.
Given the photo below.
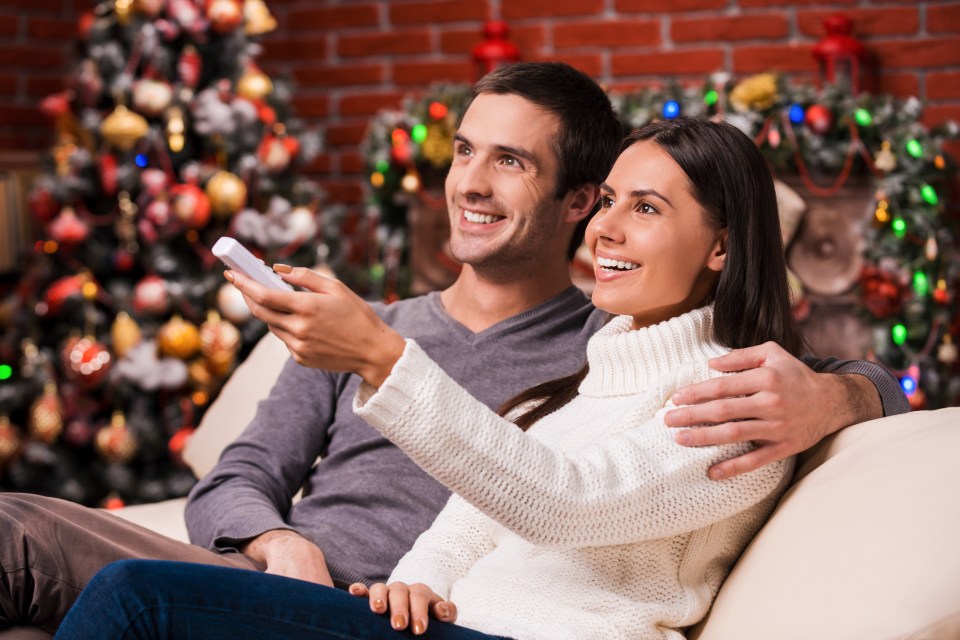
475, 179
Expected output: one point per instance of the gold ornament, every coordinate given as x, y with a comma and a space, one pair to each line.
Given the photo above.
123, 128
114, 442
201, 377
257, 17
122, 10
755, 93
125, 333
219, 342
886, 161
9, 439
254, 84
947, 352
232, 305
178, 338
150, 8
46, 415
174, 130
437, 147
227, 193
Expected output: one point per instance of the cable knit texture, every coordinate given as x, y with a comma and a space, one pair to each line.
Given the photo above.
594, 523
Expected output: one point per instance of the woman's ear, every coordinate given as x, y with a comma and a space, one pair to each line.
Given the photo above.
718, 254
580, 202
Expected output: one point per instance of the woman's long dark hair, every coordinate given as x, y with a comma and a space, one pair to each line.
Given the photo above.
732, 182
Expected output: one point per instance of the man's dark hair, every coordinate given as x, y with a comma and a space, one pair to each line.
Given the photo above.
590, 132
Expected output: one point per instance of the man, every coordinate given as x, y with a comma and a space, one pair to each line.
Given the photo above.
529, 156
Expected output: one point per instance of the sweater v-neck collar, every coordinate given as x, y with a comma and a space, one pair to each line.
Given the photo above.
568, 296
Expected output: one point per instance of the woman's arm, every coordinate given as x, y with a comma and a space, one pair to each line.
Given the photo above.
635, 485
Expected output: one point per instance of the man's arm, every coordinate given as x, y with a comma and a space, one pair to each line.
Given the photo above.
781, 404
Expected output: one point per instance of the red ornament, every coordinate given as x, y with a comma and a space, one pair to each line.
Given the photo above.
150, 295
68, 229
123, 260
917, 400
495, 50
224, 15
178, 443
108, 173
840, 55
154, 181
941, 295
86, 361
64, 289
85, 24
56, 105
881, 292
819, 118
190, 205
113, 502
188, 67
43, 205
276, 151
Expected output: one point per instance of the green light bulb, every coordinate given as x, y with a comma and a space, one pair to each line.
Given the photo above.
899, 334
418, 133
899, 227
383, 166
929, 195
711, 97
920, 283
6, 372
914, 148
863, 117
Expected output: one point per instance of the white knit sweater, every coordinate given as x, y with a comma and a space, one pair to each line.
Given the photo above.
594, 523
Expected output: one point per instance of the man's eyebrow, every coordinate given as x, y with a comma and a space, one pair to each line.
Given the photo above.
502, 148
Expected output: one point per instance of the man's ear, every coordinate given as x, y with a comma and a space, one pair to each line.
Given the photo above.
580, 202
718, 254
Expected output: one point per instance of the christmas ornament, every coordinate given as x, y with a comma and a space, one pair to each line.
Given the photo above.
839, 54
188, 67
257, 18
495, 50
121, 8
115, 442
301, 224
125, 334
178, 338
178, 443
917, 400
224, 15
201, 377
190, 205
78, 433
947, 351
42, 204
277, 149
158, 212
885, 161
86, 361
9, 440
142, 367
226, 192
437, 147
219, 343
150, 295
232, 305
151, 97
174, 130
756, 93
68, 229
881, 292
254, 84
154, 181
819, 119
149, 8
45, 419
63, 290
186, 14
89, 83
113, 502
123, 128
108, 173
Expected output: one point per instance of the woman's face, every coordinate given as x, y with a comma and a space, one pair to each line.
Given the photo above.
654, 254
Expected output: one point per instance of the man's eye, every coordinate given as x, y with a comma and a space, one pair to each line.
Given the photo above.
462, 150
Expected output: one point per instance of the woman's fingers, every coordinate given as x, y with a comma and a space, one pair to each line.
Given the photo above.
378, 598
399, 600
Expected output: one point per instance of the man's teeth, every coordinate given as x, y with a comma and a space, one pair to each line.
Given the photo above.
479, 218
619, 265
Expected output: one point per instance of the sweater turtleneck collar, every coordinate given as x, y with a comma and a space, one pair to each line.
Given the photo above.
625, 361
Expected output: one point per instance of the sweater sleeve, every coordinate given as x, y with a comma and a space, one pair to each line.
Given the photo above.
251, 489
891, 394
445, 552
635, 485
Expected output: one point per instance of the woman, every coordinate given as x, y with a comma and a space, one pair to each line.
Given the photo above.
594, 522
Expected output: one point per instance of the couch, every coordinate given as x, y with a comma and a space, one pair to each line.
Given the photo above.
865, 544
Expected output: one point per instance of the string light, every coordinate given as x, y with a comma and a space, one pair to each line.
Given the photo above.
914, 148
141, 160
881, 213
382, 166
6, 372
920, 283
909, 385
929, 195
797, 114
711, 97
437, 110
863, 117
899, 227
419, 133
376, 179
671, 109
899, 334
939, 162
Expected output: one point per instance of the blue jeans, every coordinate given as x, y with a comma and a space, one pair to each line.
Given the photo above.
159, 599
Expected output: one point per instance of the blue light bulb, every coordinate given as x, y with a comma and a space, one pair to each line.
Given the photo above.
671, 109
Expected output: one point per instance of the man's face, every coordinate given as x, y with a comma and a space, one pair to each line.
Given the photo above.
501, 184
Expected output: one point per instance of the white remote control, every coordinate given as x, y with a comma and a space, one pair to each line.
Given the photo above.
235, 255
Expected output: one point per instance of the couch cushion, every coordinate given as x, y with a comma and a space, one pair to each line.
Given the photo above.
863, 545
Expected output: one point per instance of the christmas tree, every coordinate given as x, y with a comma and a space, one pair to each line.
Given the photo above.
122, 328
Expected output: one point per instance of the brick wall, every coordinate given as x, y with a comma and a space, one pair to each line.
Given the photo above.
350, 58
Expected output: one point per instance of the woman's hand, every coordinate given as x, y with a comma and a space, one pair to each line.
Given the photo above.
408, 604
325, 327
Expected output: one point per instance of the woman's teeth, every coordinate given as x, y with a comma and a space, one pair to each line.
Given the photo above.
618, 265
479, 218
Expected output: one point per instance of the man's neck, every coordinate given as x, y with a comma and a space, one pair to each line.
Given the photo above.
478, 303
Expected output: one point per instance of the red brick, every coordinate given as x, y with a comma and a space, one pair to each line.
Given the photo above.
929, 52
332, 76
320, 164
9, 25
11, 115
352, 163
25, 56
938, 114
379, 44
49, 29
16, 141
774, 58
943, 85
548, 8
641, 33
346, 192
423, 73
759, 27
941, 18
303, 48
52, 6
368, 104
346, 134
41, 86
669, 6
435, 12
668, 62
529, 39
590, 64
902, 85
633, 86
323, 18
8, 84
779, 3
866, 22
311, 106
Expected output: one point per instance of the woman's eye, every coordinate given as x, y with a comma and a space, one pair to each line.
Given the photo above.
606, 202
646, 207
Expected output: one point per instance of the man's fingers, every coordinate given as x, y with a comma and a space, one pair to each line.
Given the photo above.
727, 433
747, 358
746, 463
744, 383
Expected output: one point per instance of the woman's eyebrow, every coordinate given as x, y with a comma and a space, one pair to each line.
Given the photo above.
642, 193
